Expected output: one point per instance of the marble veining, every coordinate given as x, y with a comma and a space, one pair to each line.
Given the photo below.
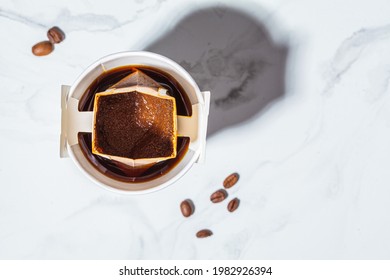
352, 49
300, 108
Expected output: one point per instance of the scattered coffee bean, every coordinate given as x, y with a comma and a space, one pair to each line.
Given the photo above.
42, 48
55, 35
204, 233
187, 208
231, 180
233, 204
218, 196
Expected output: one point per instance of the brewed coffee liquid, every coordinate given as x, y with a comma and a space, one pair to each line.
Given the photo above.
117, 170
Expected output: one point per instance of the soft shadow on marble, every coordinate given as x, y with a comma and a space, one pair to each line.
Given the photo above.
231, 54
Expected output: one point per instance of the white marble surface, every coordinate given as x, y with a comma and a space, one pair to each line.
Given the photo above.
314, 164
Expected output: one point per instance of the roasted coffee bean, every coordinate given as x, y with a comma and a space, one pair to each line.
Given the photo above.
42, 48
231, 180
204, 233
55, 35
187, 208
218, 196
233, 204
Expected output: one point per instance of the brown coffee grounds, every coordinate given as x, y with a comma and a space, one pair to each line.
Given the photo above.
135, 125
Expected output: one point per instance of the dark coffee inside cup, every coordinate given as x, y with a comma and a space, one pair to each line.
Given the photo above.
117, 170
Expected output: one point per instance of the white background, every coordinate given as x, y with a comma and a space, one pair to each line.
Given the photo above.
302, 270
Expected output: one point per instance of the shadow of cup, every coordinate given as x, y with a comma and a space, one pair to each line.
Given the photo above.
231, 54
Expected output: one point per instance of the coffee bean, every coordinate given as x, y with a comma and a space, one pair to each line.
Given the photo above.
187, 208
204, 233
55, 35
218, 196
42, 48
233, 204
231, 180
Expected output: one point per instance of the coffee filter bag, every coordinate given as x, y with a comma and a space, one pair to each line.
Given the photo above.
141, 84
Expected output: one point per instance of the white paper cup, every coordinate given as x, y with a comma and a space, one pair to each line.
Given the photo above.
72, 120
